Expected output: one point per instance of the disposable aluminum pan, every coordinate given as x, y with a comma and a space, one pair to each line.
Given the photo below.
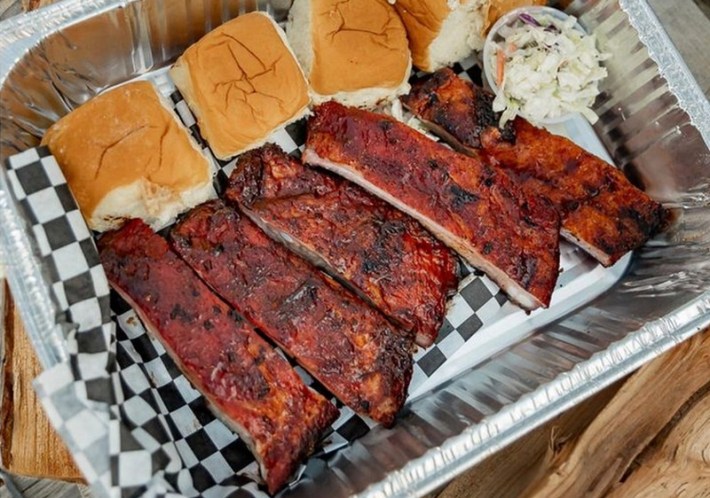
654, 123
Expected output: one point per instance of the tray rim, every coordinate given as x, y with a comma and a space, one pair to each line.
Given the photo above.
672, 67
438, 465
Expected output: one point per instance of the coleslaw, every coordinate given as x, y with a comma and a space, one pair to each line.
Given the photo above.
545, 68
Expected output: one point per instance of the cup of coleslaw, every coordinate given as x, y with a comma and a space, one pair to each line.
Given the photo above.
542, 65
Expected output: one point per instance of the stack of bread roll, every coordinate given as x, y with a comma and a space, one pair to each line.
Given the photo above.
126, 155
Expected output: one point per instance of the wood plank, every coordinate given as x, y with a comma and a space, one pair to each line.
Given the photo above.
648, 401
680, 467
28, 443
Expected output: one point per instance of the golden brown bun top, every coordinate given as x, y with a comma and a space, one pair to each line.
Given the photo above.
500, 7
357, 44
423, 20
119, 137
245, 82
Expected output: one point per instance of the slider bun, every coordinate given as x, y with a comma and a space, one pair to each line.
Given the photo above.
242, 82
353, 51
442, 32
125, 155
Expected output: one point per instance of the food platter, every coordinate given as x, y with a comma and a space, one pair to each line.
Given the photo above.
539, 374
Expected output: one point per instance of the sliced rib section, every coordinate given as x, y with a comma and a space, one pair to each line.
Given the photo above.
247, 384
601, 210
349, 347
476, 210
384, 255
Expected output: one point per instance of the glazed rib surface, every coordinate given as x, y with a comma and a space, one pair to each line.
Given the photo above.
476, 210
600, 209
349, 347
386, 256
253, 389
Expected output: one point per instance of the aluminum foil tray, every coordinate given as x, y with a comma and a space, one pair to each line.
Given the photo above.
654, 123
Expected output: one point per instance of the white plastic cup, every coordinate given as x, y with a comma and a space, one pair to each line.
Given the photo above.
490, 68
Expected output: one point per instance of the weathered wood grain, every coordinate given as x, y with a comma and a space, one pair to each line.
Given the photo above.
681, 466
645, 404
28, 443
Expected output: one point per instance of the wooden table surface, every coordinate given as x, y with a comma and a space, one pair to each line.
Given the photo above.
648, 435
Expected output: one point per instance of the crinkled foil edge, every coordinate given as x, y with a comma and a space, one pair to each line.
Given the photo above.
29, 289
671, 65
19, 34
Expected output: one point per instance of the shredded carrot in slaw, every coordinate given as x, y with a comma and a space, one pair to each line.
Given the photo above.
500, 67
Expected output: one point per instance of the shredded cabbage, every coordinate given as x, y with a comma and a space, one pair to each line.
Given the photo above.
550, 69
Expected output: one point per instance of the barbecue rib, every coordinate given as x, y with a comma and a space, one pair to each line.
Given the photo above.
601, 210
385, 256
247, 384
476, 210
348, 346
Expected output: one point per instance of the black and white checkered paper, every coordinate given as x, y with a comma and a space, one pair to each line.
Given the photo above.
133, 422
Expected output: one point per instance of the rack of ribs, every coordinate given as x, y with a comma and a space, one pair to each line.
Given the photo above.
385, 256
348, 346
601, 211
247, 384
478, 211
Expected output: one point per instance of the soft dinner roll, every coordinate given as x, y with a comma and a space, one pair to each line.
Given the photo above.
242, 82
353, 51
442, 32
125, 155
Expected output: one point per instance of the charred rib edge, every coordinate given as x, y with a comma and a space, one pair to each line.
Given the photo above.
516, 293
